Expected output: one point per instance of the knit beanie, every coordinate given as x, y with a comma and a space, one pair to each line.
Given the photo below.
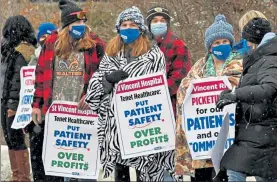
131, 14
255, 30
157, 11
45, 28
67, 7
220, 29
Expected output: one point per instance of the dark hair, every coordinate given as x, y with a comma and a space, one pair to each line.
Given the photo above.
18, 29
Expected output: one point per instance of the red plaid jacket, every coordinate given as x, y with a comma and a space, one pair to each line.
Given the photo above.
45, 67
178, 62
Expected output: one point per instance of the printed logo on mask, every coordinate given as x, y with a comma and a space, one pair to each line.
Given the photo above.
124, 37
76, 32
218, 53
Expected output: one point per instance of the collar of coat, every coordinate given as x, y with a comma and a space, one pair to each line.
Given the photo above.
26, 50
269, 48
166, 37
231, 68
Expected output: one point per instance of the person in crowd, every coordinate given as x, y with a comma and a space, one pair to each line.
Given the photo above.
177, 55
44, 30
242, 46
74, 42
129, 54
18, 45
220, 60
254, 152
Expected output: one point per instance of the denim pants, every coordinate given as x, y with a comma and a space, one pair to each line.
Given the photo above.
241, 177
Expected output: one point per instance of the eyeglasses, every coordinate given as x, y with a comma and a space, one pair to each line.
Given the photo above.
81, 15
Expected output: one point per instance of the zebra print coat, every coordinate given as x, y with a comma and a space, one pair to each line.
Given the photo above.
151, 166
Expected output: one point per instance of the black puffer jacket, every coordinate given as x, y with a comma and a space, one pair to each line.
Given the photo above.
15, 58
255, 148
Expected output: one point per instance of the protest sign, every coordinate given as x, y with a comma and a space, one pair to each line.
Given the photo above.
144, 116
24, 111
70, 146
219, 147
202, 121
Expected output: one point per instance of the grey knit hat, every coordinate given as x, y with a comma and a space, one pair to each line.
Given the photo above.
131, 14
220, 29
67, 7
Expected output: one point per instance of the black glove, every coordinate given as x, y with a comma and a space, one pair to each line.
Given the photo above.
226, 97
116, 76
223, 93
107, 86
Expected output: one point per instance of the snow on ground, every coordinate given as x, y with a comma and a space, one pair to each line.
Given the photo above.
6, 174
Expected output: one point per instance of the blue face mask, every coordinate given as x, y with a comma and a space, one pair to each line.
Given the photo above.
158, 29
242, 47
129, 35
222, 52
77, 31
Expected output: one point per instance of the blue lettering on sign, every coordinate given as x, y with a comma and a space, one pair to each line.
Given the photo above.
206, 122
24, 118
27, 99
142, 115
204, 146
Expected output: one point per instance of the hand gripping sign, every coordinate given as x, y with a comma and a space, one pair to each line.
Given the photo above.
24, 110
70, 147
202, 120
144, 116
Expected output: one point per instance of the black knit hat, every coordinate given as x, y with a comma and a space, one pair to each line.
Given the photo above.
67, 7
157, 11
255, 30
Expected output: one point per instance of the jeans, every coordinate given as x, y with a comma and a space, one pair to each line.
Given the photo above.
236, 176
167, 176
241, 177
15, 138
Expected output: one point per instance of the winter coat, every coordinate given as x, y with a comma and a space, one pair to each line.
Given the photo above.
178, 62
202, 68
45, 68
16, 59
254, 151
152, 165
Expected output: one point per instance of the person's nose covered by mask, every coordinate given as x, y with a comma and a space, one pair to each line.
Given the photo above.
222, 52
219, 38
130, 25
159, 28
129, 35
77, 31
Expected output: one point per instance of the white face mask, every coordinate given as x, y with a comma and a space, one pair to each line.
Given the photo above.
158, 29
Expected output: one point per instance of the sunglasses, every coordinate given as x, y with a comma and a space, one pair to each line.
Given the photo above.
81, 15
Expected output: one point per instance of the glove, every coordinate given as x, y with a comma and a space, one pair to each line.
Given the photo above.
108, 87
221, 96
226, 97
116, 76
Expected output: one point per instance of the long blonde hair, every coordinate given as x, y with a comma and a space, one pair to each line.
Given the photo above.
249, 16
139, 47
65, 44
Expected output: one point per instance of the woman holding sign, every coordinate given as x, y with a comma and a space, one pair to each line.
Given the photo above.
254, 152
129, 54
219, 61
17, 49
67, 61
